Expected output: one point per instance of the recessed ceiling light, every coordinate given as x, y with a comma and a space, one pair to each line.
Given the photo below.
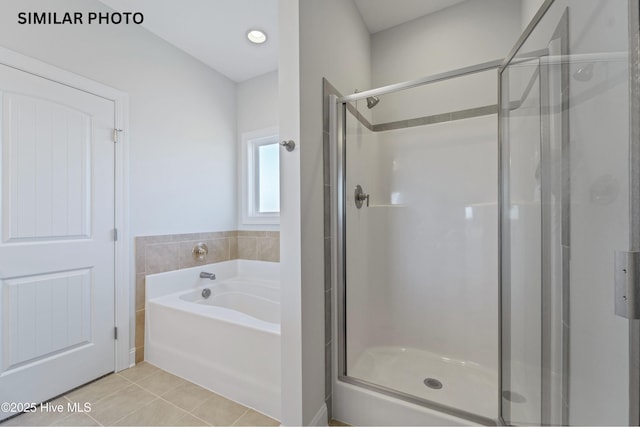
257, 36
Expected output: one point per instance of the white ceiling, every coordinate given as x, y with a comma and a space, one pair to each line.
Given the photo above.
379, 15
214, 31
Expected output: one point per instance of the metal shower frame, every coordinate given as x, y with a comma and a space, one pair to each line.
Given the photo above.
337, 117
337, 120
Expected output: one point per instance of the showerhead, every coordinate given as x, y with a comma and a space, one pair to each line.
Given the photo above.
372, 101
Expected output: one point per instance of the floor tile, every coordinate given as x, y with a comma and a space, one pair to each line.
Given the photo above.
139, 372
190, 420
253, 418
40, 416
157, 413
161, 382
120, 404
187, 396
219, 411
96, 390
337, 423
132, 398
77, 419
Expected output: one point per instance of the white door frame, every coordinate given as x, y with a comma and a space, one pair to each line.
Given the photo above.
120, 99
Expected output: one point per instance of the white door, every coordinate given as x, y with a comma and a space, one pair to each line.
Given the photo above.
56, 237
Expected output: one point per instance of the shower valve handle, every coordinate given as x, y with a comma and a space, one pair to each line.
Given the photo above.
360, 196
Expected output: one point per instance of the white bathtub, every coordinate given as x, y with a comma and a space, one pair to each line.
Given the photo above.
228, 343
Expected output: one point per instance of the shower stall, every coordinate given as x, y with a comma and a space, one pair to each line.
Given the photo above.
486, 229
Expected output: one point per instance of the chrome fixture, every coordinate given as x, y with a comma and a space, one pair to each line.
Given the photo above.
206, 293
343, 197
200, 251
473, 69
289, 145
372, 101
205, 275
360, 196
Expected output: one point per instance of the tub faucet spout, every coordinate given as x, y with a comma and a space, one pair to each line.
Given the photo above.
205, 275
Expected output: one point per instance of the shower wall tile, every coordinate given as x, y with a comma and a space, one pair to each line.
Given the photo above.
268, 249
140, 328
247, 247
326, 153
218, 250
157, 254
474, 112
167, 238
161, 257
140, 292
212, 235
329, 89
233, 247
251, 233
140, 256
186, 259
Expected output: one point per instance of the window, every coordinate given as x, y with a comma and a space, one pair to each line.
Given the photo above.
260, 177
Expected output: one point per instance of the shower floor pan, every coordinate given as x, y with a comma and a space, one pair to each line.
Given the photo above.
466, 386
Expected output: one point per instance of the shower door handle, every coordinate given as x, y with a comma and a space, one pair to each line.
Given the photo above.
360, 196
627, 284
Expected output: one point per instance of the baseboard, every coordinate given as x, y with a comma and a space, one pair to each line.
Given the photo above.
320, 419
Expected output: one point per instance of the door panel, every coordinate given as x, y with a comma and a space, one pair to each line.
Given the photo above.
47, 313
565, 133
56, 245
48, 157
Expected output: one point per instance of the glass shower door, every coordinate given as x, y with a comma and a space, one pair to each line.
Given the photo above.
420, 290
565, 211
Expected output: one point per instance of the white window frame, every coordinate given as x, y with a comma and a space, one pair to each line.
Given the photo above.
251, 141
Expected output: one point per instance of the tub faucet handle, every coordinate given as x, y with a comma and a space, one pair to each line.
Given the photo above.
205, 275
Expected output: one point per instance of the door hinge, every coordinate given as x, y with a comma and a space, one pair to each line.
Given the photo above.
115, 333
115, 234
627, 284
116, 135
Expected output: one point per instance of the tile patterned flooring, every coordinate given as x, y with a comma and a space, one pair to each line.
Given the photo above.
144, 396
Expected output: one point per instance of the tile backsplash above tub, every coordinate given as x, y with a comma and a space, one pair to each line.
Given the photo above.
157, 254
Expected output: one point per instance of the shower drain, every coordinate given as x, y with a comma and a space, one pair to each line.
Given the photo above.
433, 383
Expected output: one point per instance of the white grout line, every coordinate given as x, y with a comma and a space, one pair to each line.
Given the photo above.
156, 395
132, 412
238, 419
184, 410
189, 382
